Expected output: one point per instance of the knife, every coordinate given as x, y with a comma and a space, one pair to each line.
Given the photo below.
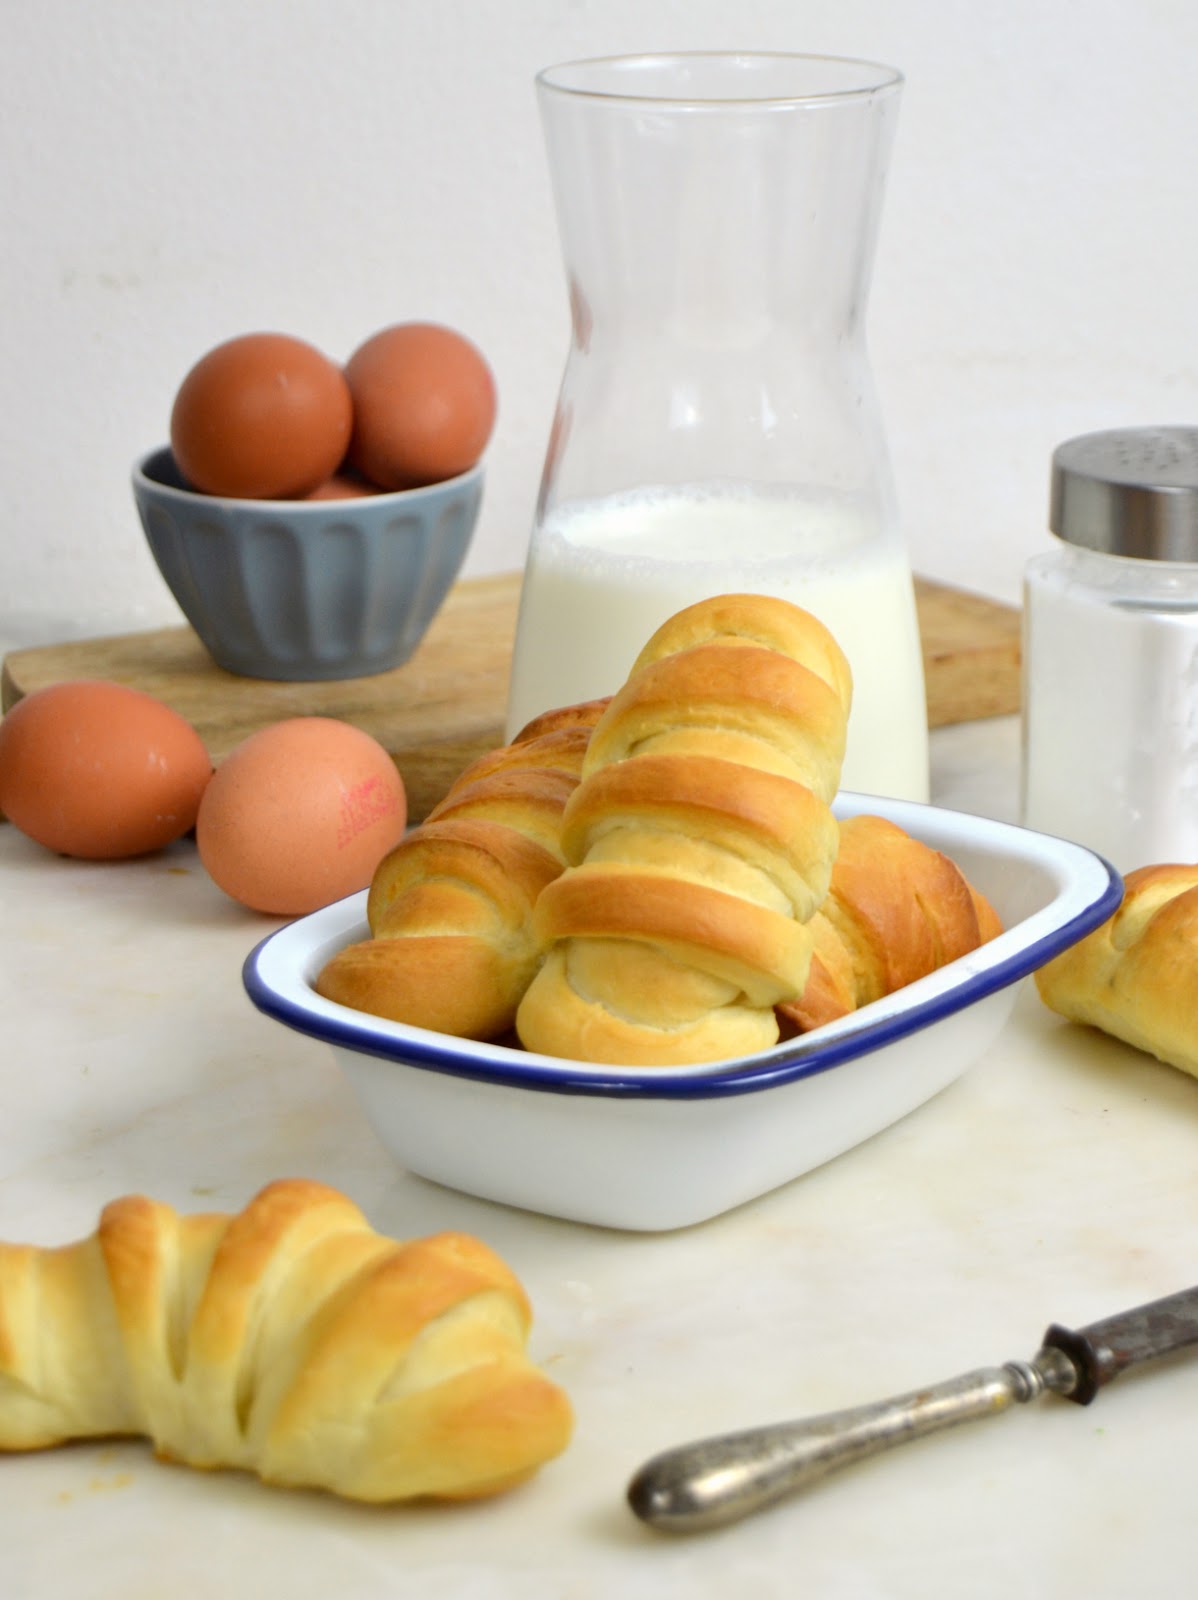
716, 1481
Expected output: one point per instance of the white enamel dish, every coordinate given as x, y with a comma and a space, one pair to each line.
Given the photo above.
658, 1148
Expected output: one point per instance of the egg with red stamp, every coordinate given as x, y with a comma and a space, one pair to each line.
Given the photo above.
99, 770
299, 815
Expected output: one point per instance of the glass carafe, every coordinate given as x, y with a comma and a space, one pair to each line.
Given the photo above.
717, 427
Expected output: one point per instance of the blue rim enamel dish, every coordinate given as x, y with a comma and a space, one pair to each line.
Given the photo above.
1049, 892
657, 1148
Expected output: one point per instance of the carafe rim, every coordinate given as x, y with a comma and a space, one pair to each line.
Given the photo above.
876, 78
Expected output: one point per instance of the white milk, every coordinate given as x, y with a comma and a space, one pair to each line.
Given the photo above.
604, 575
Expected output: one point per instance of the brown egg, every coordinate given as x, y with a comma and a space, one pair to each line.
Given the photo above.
299, 815
98, 770
424, 405
343, 486
261, 417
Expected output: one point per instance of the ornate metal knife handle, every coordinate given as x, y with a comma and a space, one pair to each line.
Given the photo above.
716, 1481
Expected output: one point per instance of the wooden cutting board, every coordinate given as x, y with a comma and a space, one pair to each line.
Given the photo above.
447, 703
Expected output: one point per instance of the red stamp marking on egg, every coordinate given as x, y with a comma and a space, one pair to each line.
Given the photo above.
361, 807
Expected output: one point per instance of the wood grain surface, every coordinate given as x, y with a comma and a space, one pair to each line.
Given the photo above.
447, 703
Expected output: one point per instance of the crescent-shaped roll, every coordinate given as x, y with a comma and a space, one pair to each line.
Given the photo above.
288, 1339
1136, 976
452, 946
896, 910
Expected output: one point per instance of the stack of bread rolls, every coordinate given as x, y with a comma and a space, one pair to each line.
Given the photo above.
658, 878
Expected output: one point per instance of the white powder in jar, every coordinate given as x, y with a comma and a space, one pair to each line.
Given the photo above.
1110, 719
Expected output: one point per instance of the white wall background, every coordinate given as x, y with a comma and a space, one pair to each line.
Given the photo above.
173, 174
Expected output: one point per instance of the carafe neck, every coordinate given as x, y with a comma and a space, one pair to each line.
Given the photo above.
718, 225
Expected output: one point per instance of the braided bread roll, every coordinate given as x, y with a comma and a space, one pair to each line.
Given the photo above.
1136, 976
700, 842
896, 910
289, 1340
450, 908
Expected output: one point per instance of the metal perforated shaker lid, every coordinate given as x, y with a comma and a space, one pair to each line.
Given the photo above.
1129, 492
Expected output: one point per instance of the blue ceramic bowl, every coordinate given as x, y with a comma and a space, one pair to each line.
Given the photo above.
307, 590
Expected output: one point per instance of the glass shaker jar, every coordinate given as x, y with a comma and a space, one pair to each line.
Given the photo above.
1110, 650
717, 428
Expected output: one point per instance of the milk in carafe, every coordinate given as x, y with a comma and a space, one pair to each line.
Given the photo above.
605, 574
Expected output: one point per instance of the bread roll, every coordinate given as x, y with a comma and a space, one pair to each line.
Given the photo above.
700, 843
895, 911
289, 1340
1136, 976
452, 946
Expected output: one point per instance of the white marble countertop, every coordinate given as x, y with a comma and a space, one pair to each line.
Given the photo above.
1056, 1181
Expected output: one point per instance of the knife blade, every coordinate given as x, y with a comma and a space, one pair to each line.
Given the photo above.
711, 1482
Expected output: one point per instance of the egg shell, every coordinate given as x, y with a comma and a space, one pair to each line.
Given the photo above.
424, 405
344, 486
261, 417
300, 814
99, 770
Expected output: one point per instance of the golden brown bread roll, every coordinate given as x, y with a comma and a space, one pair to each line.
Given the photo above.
896, 910
450, 908
1136, 976
699, 843
289, 1340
